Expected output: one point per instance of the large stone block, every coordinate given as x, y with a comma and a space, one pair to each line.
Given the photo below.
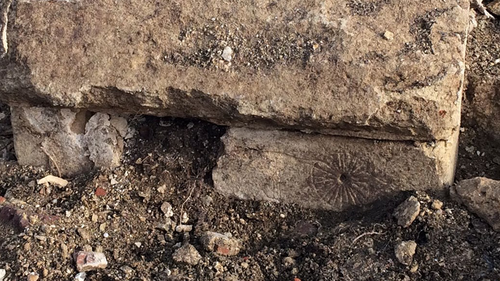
326, 171
374, 69
72, 141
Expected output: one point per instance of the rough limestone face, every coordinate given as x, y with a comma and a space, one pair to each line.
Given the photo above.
327, 172
71, 141
485, 106
376, 69
482, 197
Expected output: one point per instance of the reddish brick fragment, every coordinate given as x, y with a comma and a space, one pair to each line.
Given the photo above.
100, 192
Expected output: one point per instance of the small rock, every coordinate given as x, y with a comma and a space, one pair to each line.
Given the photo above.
80, 276
138, 244
494, 7
244, 265
388, 35
407, 211
87, 261
404, 252
436, 204
162, 189
220, 243
83, 233
187, 254
166, 208
33, 277
100, 192
288, 261
2, 200
54, 180
184, 228
227, 54
127, 269
414, 268
207, 200
482, 197
184, 218
3, 272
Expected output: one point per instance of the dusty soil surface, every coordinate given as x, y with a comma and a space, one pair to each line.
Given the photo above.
119, 213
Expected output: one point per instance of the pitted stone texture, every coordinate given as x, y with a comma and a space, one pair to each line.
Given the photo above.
50, 137
485, 108
482, 197
313, 65
325, 171
66, 139
104, 139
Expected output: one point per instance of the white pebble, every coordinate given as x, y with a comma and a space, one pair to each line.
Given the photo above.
80, 276
227, 54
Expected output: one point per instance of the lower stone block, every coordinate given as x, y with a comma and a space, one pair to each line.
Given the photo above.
328, 172
71, 141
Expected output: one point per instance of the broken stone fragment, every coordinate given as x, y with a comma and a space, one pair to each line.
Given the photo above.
407, 211
325, 70
88, 261
104, 139
404, 251
482, 197
327, 172
54, 180
50, 137
220, 243
187, 254
68, 140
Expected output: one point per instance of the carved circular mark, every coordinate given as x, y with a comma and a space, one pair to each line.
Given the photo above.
343, 180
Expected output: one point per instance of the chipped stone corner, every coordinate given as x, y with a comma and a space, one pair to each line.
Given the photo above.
445, 153
69, 141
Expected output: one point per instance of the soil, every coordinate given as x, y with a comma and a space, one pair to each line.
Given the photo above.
170, 160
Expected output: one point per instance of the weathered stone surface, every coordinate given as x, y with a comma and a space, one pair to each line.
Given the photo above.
325, 171
404, 251
312, 65
220, 243
482, 197
50, 137
88, 261
187, 254
70, 140
407, 211
485, 108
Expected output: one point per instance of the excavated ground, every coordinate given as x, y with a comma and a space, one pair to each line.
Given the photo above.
169, 160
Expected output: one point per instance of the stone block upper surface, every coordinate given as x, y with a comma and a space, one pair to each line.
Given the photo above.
381, 69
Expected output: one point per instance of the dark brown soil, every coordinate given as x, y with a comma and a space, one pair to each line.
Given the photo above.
170, 160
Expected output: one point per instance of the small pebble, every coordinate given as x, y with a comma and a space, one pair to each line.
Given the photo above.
184, 228
80, 276
3, 272
404, 252
437, 205
127, 269
187, 254
166, 208
388, 35
87, 261
227, 54
33, 277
